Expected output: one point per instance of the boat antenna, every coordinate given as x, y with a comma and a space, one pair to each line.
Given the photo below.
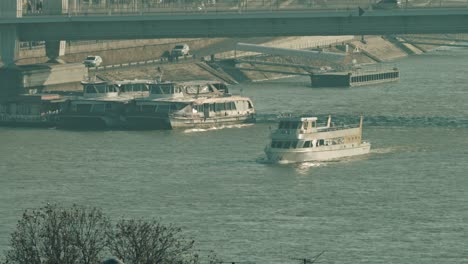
360, 121
329, 121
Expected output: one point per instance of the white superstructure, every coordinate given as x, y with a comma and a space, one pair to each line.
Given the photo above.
300, 139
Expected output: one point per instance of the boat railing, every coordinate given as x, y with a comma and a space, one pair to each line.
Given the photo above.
43, 117
290, 131
335, 128
287, 131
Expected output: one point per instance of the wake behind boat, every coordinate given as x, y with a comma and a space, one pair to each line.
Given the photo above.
300, 139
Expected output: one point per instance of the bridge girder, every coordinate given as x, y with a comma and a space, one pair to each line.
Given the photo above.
150, 27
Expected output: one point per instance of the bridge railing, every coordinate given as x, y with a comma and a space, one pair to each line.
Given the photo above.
137, 7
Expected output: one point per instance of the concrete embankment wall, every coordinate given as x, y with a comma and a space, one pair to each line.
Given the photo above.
114, 52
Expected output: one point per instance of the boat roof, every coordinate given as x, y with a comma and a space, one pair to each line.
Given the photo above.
136, 81
199, 100
199, 82
297, 118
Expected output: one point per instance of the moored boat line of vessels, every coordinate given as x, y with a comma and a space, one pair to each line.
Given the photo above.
146, 104
102, 104
150, 104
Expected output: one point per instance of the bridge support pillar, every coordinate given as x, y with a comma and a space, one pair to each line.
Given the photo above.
9, 45
55, 49
11, 8
55, 7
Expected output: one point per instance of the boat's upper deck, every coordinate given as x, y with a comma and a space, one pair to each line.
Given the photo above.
302, 126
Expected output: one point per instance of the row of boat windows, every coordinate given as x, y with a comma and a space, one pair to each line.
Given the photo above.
165, 89
156, 108
288, 144
163, 108
296, 124
374, 77
100, 88
91, 108
170, 88
226, 106
105, 88
142, 87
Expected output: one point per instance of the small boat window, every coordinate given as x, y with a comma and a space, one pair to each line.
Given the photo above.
220, 107
162, 88
199, 108
307, 144
283, 125
83, 108
163, 108
89, 89
134, 87
147, 108
306, 124
98, 108
294, 144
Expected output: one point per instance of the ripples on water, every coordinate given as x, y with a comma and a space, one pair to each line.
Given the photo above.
405, 202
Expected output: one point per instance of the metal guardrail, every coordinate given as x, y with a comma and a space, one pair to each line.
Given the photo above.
145, 7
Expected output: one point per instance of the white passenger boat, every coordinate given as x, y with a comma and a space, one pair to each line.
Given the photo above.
300, 139
102, 104
194, 104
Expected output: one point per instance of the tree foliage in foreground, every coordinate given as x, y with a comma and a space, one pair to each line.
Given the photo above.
80, 235
52, 235
139, 241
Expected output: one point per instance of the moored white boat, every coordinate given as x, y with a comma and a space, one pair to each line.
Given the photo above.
102, 104
194, 104
301, 139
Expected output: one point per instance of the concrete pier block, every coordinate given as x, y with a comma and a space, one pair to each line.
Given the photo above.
11, 8
55, 49
9, 45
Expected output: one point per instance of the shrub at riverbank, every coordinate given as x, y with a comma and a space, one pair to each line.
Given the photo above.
77, 234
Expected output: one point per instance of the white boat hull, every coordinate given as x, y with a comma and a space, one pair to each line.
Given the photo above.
285, 156
210, 122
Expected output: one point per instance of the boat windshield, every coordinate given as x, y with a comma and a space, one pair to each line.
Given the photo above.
199, 89
134, 87
165, 88
99, 88
290, 125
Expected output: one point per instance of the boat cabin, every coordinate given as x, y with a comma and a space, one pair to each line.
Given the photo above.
298, 125
165, 90
134, 88
99, 89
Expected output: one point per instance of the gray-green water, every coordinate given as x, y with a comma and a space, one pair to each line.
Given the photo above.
406, 202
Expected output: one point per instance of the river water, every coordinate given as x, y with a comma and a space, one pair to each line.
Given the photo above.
405, 202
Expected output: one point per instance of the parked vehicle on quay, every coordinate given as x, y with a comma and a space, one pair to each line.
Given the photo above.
387, 4
180, 50
92, 61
